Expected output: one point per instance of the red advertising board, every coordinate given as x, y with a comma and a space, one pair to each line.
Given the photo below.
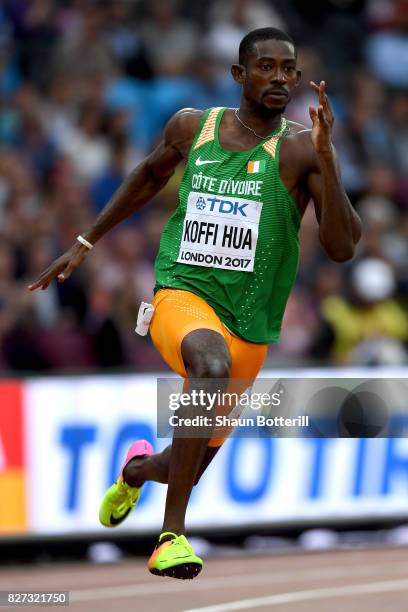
12, 458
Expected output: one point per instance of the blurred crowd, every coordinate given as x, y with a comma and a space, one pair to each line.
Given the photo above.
85, 90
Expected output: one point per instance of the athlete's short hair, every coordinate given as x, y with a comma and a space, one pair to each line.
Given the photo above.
247, 43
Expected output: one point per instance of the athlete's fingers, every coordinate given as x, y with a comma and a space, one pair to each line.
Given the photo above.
322, 117
43, 281
320, 88
70, 266
328, 104
313, 114
323, 98
328, 109
314, 86
34, 286
46, 277
322, 93
66, 273
61, 268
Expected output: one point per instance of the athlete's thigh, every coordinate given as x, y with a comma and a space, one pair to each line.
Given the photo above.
246, 361
247, 358
176, 314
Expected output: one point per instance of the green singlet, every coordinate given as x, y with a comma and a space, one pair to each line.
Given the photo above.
233, 239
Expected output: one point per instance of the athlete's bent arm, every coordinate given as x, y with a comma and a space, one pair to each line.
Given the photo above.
339, 224
139, 188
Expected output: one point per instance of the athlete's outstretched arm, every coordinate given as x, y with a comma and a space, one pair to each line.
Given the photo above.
139, 188
339, 224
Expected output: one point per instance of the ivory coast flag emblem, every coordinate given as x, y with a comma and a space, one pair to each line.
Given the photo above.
256, 167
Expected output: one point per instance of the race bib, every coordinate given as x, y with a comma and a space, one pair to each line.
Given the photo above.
220, 232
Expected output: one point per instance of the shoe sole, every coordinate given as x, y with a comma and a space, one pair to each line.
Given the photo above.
184, 571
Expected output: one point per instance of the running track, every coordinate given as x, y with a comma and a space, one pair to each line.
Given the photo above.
360, 581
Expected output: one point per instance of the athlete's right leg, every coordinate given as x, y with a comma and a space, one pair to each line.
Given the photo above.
190, 337
207, 359
208, 362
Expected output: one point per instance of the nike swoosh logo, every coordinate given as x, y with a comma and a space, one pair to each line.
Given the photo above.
202, 162
183, 557
117, 521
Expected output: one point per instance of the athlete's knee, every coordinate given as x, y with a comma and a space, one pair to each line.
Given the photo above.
212, 366
206, 354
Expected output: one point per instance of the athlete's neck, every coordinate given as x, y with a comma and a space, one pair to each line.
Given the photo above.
263, 121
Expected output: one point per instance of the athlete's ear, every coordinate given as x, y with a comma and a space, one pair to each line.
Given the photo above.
238, 73
298, 77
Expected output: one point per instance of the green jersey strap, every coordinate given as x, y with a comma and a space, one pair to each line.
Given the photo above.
207, 133
271, 144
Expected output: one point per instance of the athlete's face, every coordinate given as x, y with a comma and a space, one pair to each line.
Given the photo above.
269, 76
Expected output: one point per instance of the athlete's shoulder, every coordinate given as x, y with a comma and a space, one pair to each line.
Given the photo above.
300, 136
302, 146
185, 122
182, 127
297, 129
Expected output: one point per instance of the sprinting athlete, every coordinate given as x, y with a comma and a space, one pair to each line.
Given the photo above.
228, 256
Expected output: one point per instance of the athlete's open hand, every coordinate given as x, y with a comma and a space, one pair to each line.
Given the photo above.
62, 267
322, 119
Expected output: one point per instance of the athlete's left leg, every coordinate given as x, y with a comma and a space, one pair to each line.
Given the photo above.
178, 314
156, 467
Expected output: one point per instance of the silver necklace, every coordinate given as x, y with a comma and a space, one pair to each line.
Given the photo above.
249, 128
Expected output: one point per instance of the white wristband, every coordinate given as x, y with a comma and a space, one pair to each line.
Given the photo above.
82, 240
